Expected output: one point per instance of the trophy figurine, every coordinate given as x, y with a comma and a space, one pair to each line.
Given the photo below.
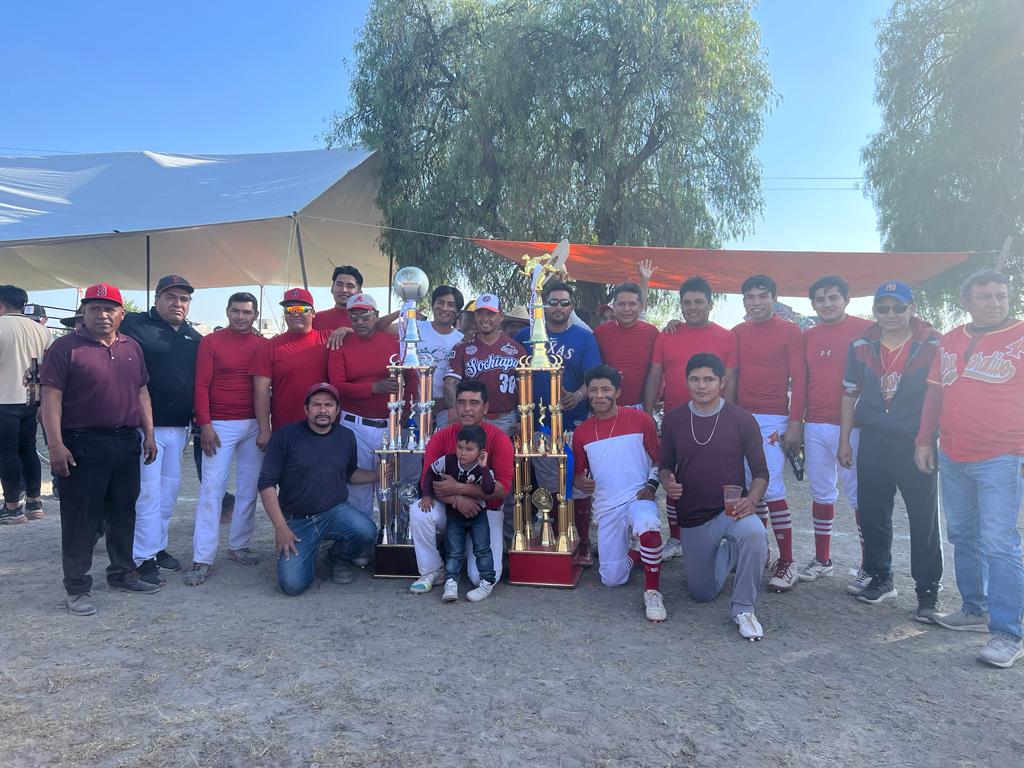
545, 503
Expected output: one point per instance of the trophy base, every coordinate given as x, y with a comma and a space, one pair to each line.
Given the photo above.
544, 568
395, 561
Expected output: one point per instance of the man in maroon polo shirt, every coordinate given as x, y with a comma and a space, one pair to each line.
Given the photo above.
95, 401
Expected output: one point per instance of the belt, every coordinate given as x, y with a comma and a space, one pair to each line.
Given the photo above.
378, 423
116, 431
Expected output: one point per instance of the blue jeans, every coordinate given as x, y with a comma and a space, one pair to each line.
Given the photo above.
455, 535
981, 500
353, 532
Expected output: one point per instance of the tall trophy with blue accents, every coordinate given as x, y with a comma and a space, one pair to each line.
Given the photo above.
549, 557
407, 434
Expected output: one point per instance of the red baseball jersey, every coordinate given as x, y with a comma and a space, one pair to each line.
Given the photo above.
500, 456
629, 351
825, 348
771, 358
294, 363
494, 365
357, 365
673, 351
331, 319
982, 379
223, 388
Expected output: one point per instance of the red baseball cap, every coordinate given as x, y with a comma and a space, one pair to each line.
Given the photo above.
103, 292
323, 386
297, 296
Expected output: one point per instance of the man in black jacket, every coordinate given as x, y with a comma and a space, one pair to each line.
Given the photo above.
884, 387
169, 345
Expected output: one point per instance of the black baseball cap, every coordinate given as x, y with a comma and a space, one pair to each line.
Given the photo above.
173, 281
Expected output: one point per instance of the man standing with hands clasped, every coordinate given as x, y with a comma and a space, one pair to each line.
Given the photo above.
975, 402
703, 449
95, 403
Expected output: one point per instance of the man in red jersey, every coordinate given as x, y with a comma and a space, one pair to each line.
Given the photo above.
359, 371
228, 430
346, 282
771, 359
286, 367
615, 455
470, 407
490, 357
627, 343
672, 351
825, 348
975, 402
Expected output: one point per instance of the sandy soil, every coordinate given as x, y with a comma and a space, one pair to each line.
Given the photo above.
233, 673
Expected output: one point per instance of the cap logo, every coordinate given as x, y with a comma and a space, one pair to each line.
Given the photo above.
101, 290
890, 286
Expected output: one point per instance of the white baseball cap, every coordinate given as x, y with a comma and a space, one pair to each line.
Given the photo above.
489, 302
360, 301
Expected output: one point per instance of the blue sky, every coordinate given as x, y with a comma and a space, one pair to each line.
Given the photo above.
229, 77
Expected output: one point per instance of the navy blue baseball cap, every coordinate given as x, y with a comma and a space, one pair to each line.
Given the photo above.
895, 290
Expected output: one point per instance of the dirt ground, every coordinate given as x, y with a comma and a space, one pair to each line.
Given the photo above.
233, 673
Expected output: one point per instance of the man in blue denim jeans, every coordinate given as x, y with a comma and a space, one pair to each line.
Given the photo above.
304, 487
975, 403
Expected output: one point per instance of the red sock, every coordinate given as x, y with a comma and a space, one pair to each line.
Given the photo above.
634, 555
581, 515
782, 527
761, 510
673, 521
650, 555
860, 535
822, 514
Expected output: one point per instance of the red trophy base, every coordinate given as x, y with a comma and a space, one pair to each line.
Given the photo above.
395, 561
544, 567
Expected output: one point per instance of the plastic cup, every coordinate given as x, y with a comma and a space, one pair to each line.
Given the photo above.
732, 495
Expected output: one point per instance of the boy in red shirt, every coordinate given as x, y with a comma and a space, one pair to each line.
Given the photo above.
771, 360
825, 346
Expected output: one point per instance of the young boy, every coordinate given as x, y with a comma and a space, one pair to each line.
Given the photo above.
467, 465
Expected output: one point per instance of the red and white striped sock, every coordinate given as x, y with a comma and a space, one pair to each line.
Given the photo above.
673, 521
761, 510
860, 535
650, 555
822, 515
634, 556
782, 527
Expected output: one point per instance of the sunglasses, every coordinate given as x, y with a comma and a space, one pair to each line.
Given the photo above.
885, 309
297, 309
359, 317
559, 303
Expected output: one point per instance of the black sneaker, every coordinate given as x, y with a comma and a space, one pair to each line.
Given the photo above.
12, 516
150, 573
135, 583
880, 588
167, 561
927, 607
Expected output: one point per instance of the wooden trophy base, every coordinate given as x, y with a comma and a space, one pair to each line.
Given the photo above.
395, 561
544, 567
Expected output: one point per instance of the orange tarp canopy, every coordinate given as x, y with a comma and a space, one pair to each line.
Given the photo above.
726, 270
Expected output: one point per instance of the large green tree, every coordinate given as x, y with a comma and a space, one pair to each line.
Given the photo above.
597, 120
946, 170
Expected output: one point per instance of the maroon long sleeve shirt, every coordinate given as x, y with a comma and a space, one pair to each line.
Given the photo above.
704, 469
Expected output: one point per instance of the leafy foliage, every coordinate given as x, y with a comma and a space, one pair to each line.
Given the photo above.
597, 120
946, 170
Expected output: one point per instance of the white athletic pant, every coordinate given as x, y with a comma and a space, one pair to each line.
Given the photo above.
772, 430
237, 444
613, 529
821, 442
158, 490
426, 526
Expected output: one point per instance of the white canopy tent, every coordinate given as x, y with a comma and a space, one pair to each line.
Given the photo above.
285, 218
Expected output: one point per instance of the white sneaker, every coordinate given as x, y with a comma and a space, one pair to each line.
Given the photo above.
784, 576
860, 582
750, 627
672, 548
815, 570
654, 606
478, 594
1001, 651
424, 584
451, 591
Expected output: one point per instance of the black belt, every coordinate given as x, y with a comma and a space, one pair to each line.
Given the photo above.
378, 423
115, 431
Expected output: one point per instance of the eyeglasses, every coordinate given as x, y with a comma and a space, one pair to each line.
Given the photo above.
559, 302
359, 317
885, 309
297, 309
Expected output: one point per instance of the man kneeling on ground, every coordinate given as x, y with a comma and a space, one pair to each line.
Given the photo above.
703, 445
304, 488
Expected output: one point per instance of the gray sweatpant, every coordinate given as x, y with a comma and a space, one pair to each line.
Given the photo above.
712, 550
